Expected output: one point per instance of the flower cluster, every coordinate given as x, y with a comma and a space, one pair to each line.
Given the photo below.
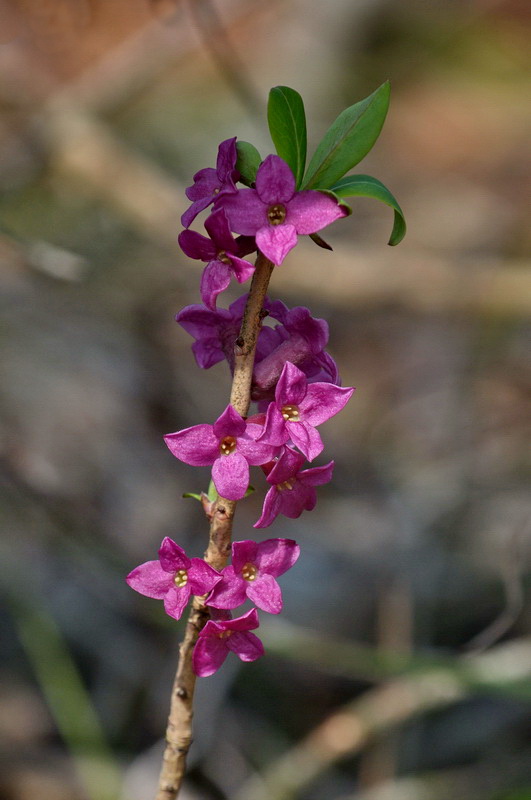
295, 384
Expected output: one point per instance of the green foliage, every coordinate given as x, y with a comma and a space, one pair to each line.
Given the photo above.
366, 186
248, 161
348, 140
287, 126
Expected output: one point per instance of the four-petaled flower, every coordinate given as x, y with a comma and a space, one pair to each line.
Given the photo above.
252, 574
210, 183
229, 445
292, 490
219, 637
173, 578
275, 213
222, 252
298, 407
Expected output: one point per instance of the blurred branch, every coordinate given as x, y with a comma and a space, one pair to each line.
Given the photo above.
511, 574
486, 779
224, 54
347, 731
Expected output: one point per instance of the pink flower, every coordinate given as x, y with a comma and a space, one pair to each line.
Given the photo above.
223, 254
219, 637
173, 578
275, 213
252, 574
209, 183
298, 407
292, 491
229, 445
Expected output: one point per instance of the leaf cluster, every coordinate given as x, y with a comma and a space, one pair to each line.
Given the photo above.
347, 141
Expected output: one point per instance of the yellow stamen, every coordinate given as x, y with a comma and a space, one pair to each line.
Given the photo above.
249, 572
290, 412
227, 445
181, 578
276, 214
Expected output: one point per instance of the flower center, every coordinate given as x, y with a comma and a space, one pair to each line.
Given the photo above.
181, 578
216, 191
276, 214
249, 572
285, 485
222, 256
224, 634
227, 445
290, 412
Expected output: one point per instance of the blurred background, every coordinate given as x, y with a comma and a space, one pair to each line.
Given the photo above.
400, 667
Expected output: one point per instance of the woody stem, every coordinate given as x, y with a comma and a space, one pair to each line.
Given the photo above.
179, 729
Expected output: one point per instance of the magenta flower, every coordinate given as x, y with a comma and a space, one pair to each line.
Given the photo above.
300, 339
229, 445
292, 491
275, 213
222, 252
252, 574
216, 331
219, 637
298, 407
210, 183
297, 339
173, 578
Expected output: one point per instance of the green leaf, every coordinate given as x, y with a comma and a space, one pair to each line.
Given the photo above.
191, 494
250, 489
247, 162
366, 186
212, 492
348, 140
287, 126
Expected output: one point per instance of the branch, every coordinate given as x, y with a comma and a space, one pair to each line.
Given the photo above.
179, 730
347, 731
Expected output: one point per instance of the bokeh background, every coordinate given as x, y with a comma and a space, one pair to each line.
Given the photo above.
400, 668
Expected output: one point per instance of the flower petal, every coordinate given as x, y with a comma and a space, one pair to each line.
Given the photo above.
275, 241
150, 580
226, 160
202, 577
243, 552
229, 423
205, 181
275, 182
245, 211
317, 476
231, 476
214, 280
230, 592
287, 466
191, 213
194, 245
291, 386
247, 646
176, 601
306, 438
275, 431
247, 622
276, 556
241, 268
270, 509
324, 400
196, 445
254, 452
172, 556
209, 654
218, 228
294, 501
265, 593
310, 211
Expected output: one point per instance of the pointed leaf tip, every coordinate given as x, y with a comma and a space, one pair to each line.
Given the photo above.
348, 140
287, 125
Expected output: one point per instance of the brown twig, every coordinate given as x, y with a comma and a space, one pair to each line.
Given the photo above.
179, 730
